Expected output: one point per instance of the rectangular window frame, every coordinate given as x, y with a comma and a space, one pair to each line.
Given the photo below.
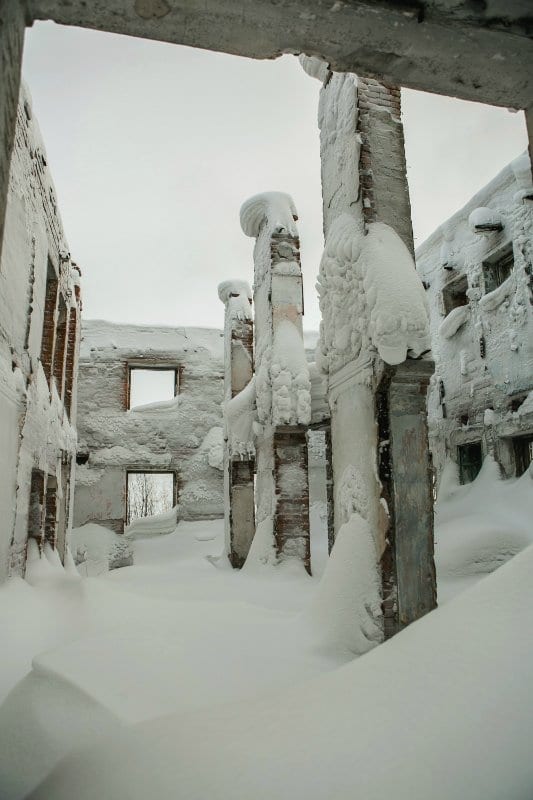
138, 471
497, 268
177, 369
523, 452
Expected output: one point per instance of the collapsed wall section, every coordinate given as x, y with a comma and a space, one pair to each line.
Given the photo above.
182, 436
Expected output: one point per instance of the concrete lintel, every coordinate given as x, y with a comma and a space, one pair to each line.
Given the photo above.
457, 49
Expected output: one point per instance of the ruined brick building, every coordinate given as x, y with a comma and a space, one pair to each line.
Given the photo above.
179, 437
40, 310
477, 270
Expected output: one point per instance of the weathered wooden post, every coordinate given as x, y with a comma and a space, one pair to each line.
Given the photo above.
238, 465
283, 388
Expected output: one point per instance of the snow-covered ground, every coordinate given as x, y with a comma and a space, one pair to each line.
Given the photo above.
179, 677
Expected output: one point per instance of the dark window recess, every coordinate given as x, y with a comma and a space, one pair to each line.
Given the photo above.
470, 459
496, 271
482, 347
454, 294
82, 458
463, 419
523, 453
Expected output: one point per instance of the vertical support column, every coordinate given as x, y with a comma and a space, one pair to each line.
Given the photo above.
330, 492
12, 25
239, 468
63, 507
412, 498
292, 494
282, 381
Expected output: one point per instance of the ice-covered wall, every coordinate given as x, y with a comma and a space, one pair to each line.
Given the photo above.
39, 333
484, 348
176, 435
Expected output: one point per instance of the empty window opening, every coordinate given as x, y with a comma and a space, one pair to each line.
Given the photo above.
149, 493
70, 359
36, 505
523, 453
470, 459
50, 303
152, 385
454, 294
50, 511
496, 270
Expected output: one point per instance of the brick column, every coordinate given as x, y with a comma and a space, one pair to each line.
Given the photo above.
49, 323
283, 386
71, 359
406, 474
60, 345
239, 468
12, 25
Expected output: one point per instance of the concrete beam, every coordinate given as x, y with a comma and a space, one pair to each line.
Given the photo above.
478, 51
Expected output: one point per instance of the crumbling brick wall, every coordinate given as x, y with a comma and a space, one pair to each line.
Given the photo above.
37, 437
183, 436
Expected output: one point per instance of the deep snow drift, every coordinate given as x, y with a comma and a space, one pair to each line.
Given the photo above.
206, 682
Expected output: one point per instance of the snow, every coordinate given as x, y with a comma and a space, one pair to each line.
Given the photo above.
491, 301
368, 287
240, 415
453, 321
276, 210
97, 549
237, 297
484, 219
289, 371
181, 672
153, 525
479, 526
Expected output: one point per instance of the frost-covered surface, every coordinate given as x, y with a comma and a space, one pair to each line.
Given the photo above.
102, 714
370, 296
453, 321
479, 526
96, 549
289, 372
154, 525
183, 435
34, 430
240, 415
237, 297
484, 219
487, 361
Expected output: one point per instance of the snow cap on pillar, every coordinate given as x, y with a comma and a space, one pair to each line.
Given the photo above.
275, 208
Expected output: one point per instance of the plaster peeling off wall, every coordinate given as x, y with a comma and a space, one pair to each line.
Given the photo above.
370, 296
183, 436
36, 432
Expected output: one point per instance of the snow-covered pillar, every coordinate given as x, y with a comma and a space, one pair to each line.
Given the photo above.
12, 26
375, 323
283, 387
239, 514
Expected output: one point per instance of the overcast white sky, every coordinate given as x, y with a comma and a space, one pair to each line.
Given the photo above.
153, 148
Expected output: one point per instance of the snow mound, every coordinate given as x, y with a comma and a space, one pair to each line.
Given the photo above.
442, 710
96, 549
240, 414
289, 373
154, 525
480, 526
346, 609
276, 209
484, 219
